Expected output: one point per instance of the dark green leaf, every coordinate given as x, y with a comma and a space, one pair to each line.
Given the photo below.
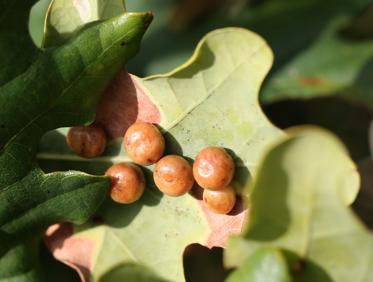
21, 263
335, 65
61, 87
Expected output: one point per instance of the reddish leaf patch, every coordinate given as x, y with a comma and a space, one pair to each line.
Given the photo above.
73, 251
124, 103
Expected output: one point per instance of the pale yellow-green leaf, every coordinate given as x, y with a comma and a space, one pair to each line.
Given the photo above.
299, 203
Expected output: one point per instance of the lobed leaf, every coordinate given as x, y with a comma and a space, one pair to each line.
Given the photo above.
302, 209
210, 100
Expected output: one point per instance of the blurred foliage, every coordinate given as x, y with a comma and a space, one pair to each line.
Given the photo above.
361, 27
289, 26
350, 122
304, 186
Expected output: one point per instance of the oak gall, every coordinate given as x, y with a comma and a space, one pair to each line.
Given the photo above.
213, 168
127, 182
221, 201
87, 141
173, 175
144, 143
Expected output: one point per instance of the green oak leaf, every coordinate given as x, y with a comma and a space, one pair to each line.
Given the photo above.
41, 90
65, 17
212, 99
298, 203
334, 65
264, 265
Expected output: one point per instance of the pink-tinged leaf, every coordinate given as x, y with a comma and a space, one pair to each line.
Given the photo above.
123, 103
212, 100
223, 226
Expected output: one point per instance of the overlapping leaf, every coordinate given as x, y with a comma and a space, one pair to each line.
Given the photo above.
302, 209
66, 17
53, 21
37, 21
266, 264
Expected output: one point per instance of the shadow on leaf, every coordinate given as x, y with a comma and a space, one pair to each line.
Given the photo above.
203, 264
262, 227
129, 272
305, 270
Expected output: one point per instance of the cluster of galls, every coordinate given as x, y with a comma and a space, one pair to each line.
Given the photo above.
213, 167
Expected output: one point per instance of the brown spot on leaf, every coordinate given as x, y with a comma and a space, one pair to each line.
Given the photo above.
310, 81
